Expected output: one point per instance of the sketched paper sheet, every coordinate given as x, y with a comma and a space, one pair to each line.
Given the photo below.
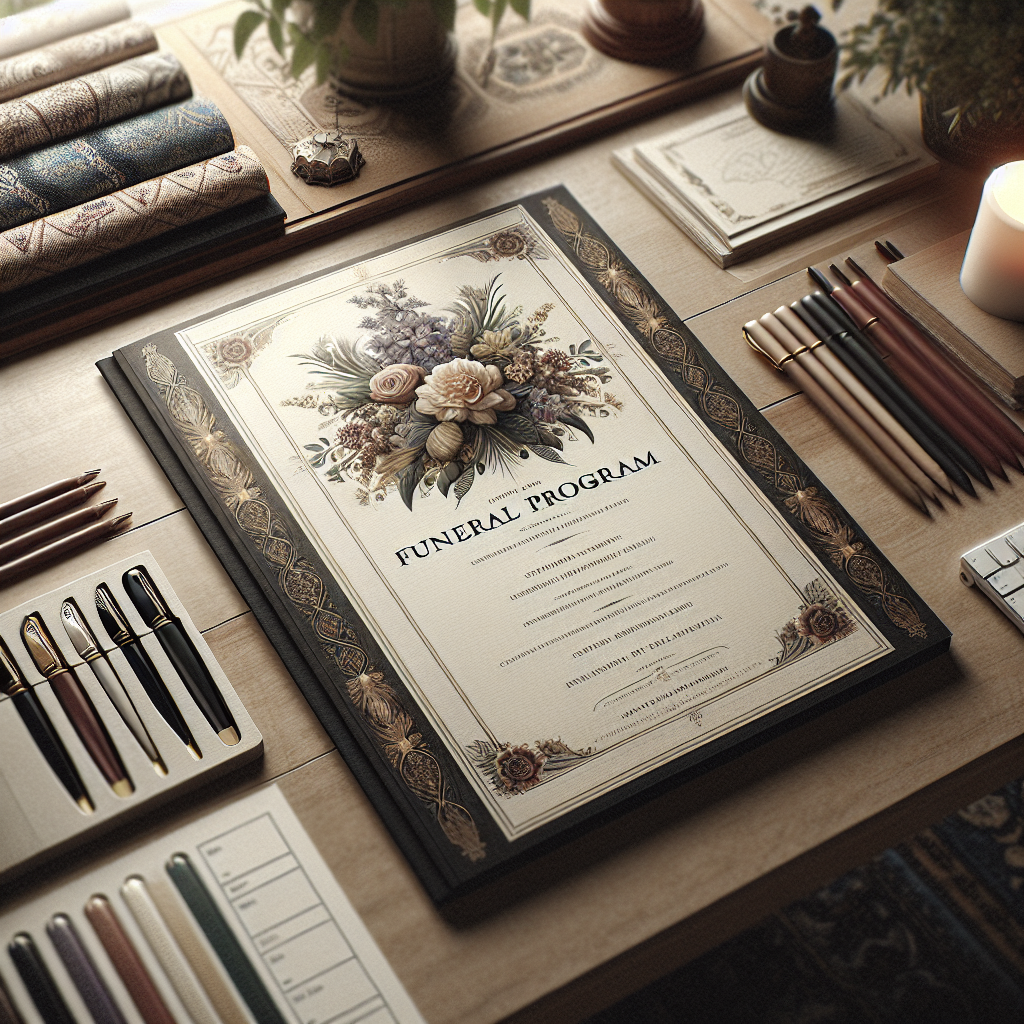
739, 175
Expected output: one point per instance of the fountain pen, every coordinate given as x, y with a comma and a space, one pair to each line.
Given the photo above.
41, 728
84, 642
75, 702
121, 633
181, 652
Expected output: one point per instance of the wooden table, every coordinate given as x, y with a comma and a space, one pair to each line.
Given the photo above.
639, 897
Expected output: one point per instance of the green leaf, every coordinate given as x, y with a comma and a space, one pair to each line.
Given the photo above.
520, 429
303, 53
463, 484
364, 17
279, 7
497, 13
444, 11
325, 58
408, 478
248, 22
448, 476
483, 6
521, 7
326, 19
276, 35
546, 453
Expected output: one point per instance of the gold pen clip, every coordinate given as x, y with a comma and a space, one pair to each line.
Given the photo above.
112, 617
43, 651
11, 680
157, 616
779, 364
78, 632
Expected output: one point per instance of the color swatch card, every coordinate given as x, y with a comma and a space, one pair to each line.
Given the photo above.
235, 918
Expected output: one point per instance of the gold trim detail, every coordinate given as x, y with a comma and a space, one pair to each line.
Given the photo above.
378, 704
824, 520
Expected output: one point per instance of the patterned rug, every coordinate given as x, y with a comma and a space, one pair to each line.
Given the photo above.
930, 932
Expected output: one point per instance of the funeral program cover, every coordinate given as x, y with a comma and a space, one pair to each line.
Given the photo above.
544, 552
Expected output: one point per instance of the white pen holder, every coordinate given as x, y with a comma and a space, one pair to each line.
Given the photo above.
39, 817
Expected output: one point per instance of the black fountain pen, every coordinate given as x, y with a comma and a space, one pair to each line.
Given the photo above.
181, 651
41, 728
121, 633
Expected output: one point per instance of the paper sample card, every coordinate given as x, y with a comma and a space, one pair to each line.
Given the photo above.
233, 917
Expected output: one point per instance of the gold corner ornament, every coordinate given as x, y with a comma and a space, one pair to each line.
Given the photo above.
377, 703
826, 522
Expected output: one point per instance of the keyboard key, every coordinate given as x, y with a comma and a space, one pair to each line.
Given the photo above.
982, 562
1006, 581
1002, 552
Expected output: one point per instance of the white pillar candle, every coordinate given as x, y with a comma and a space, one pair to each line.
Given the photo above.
992, 276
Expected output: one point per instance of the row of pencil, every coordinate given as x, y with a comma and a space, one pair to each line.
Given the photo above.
37, 527
54, 666
172, 934
915, 417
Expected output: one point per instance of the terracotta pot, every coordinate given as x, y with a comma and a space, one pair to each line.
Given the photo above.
413, 53
980, 146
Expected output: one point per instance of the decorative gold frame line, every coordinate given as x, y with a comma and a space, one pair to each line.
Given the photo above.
375, 701
826, 522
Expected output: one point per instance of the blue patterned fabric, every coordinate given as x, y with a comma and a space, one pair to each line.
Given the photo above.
100, 162
927, 933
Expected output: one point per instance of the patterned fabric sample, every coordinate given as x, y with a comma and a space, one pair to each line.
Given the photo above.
72, 57
100, 162
65, 240
31, 29
71, 108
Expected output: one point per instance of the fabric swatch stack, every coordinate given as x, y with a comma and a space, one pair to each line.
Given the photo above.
102, 145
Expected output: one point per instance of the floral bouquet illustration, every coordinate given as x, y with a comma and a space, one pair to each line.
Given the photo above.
433, 401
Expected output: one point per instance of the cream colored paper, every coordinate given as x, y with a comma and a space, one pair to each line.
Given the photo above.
738, 175
605, 614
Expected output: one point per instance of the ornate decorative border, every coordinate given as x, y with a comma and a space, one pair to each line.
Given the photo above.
827, 523
375, 701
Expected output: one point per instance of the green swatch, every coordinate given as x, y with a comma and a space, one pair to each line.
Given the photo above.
249, 984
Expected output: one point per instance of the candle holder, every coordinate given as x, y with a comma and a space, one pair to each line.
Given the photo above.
792, 90
644, 31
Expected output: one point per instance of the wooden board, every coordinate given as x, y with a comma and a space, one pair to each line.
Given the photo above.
705, 862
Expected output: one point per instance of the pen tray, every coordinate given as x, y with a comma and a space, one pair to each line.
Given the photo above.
38, 817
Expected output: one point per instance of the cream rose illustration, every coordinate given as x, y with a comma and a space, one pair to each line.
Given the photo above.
464, 389
396, 384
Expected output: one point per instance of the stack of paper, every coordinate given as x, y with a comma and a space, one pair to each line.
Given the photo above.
738, 188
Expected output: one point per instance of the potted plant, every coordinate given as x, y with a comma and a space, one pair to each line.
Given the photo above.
964, 57
372, 49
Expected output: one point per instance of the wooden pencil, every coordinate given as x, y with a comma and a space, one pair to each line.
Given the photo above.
38, 496
46, 509
761, 339
64, 546
848, 391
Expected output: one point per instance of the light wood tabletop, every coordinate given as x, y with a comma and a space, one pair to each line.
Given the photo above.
636, 898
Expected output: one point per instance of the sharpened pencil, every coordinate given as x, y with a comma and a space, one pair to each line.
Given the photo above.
762, 340
37, 497
64, 546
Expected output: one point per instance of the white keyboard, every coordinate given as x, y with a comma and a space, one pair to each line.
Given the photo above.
997, 569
